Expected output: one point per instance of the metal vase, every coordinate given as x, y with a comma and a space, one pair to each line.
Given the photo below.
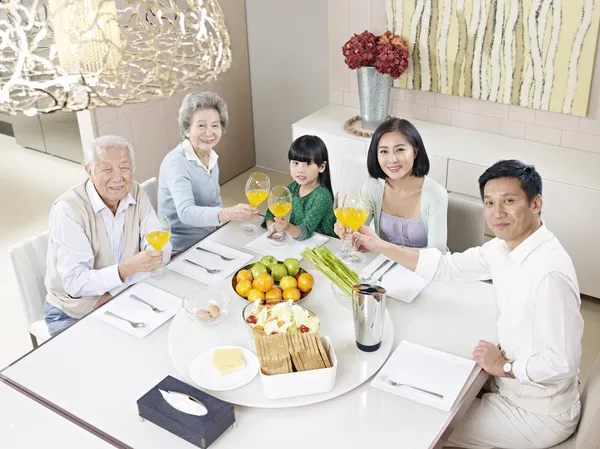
368, 309
374, 94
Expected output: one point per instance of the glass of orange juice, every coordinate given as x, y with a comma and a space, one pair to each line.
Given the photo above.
354, 214
338, 210
157, 237
257, 191
280, 204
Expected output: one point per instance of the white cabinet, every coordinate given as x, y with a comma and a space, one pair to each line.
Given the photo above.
458, 157
438, 168
337, 148
573, 215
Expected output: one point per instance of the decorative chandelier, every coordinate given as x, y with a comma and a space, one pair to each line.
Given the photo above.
71, 55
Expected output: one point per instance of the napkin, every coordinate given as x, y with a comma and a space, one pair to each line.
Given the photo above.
399, 282
126, 307
425, 368
291, 247
210, 261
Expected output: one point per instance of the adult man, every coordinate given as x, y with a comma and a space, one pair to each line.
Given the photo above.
97, 231
534, 398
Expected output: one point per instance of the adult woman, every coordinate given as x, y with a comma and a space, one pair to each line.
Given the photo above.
188, 188
408, 207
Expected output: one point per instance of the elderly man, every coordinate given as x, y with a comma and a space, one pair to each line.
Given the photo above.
534, 397
97, 241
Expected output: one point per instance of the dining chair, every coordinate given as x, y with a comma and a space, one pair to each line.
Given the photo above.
587, 435
150, 186
29, 263
465, 223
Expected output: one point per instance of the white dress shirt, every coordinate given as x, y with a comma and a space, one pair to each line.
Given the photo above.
74, 255
191, 155
540, 324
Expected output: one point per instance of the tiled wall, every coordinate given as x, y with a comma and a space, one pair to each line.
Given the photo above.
354, 16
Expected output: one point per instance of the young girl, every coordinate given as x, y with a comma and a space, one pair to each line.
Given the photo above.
312, 196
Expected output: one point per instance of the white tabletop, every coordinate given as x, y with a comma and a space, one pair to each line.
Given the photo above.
25, 424
96, 373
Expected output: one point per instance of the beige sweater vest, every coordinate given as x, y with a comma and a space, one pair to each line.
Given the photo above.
93, 226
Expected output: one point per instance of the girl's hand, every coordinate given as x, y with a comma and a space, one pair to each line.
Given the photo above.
281, 225
341, 231
367, 238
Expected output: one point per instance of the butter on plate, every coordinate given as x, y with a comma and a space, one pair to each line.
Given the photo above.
227, 361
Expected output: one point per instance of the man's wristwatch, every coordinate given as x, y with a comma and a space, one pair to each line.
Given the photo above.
507, 368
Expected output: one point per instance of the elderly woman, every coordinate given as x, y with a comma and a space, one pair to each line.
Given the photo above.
188, 188
97, 241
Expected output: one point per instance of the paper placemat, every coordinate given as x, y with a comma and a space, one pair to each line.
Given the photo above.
210, 261
291, 248
399, 283
126, 307
428, 369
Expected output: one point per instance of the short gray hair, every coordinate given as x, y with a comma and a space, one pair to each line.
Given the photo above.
200, 100
101, 143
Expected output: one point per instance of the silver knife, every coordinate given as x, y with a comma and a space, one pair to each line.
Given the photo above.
383, 264
388, 269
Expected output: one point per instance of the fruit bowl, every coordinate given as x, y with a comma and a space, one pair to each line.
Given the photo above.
272, 295
249, 308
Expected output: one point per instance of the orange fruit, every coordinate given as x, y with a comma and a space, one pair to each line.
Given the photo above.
291, 293
255, 294
288, 282
244, 274
274, 293
264, 282
243, 287
306, 282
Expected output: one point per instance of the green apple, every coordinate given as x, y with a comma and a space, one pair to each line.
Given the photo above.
292, 265
268, 261
278, 271
258, 269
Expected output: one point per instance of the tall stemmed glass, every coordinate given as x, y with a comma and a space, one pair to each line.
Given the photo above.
338, 210
158, 236
355, 213
280, 204
257, 191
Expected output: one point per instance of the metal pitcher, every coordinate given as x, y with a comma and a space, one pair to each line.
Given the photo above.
368, 306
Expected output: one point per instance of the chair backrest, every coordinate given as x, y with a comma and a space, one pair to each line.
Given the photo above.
150, 186
29, 263
354, 175
465, 223
588, 432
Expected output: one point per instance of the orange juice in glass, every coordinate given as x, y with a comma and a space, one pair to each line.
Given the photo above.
157, 237
257, 191
354, 214
354, 217
280, 209
280, 204
257, 196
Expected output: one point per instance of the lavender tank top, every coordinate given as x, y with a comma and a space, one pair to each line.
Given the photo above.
408, 232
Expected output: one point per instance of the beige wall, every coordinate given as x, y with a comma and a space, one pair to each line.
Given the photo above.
152, 127
354, 16
289, 71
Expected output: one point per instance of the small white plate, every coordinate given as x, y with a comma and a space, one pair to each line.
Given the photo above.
205, 375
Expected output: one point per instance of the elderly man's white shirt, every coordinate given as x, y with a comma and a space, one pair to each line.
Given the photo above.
74, 256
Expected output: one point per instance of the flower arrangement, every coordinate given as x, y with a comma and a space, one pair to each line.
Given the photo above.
388, 53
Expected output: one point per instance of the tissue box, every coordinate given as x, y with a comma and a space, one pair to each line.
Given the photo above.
302, 383
201, 431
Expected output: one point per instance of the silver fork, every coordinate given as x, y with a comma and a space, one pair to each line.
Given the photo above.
209, 270
134, 324
398, 384
154, 309
227, 259
388, 269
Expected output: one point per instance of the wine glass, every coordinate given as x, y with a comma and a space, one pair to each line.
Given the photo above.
257, 191
355, 214
338, 210
280, 204
157, 237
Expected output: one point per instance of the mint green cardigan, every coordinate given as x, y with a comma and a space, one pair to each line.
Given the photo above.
434, 209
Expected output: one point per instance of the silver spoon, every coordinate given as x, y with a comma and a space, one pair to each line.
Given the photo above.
133, 323
154, 309
209, 270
